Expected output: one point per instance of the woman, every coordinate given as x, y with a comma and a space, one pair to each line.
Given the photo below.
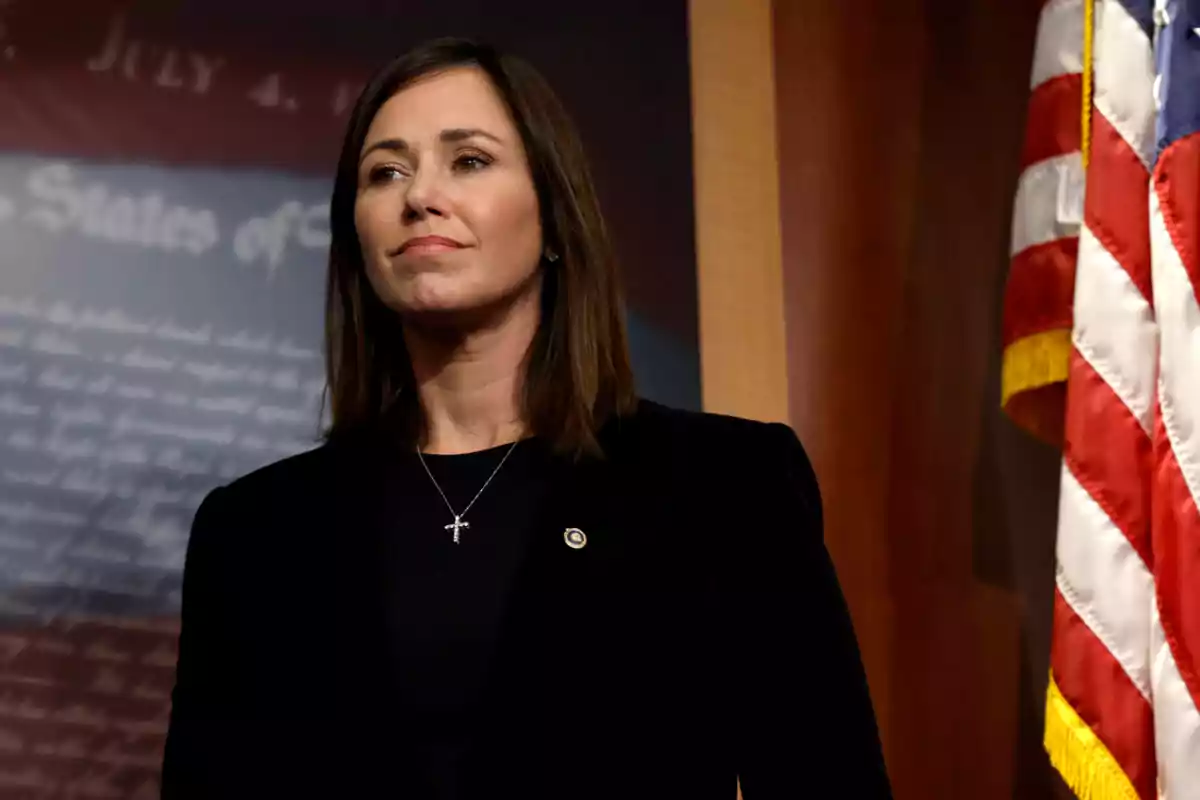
504, 575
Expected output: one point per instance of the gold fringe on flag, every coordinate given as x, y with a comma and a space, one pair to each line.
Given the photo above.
1033, 362
1033, 376
1079, 756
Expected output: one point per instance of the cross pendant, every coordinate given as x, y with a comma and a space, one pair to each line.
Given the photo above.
457, 525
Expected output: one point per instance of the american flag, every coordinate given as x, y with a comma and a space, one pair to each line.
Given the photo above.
1037, 307
1123, 705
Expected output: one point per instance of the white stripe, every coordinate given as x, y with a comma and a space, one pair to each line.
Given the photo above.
1179, 348
1059, 48
1104, 580
1048, 204
1124, 77
1176, 723
1176, 718
1114, 328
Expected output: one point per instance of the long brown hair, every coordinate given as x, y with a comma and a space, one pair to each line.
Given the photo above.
578, 371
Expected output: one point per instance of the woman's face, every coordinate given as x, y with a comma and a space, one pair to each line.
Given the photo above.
446, 211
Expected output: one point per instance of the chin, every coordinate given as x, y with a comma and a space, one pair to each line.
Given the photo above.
437, 297
421, 293
447, 309
443, 301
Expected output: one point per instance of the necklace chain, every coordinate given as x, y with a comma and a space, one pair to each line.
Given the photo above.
459, 522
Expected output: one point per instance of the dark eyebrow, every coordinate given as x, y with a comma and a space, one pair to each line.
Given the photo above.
459, 134
395, 145
448, 135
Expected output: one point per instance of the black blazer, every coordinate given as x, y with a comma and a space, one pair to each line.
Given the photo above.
699, 637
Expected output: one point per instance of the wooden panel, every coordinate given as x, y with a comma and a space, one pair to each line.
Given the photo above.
849, 83
900, 123
742, 345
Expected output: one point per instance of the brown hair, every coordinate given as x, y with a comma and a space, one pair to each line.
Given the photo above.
578, 371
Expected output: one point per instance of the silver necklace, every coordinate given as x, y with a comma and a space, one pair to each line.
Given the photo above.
460, 523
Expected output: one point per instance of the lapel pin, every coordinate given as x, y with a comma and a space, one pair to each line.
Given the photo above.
575, 538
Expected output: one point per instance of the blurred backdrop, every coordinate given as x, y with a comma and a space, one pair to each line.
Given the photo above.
165, 170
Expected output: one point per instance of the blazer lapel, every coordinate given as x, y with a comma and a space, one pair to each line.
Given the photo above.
550, 671
583, 526
557, 582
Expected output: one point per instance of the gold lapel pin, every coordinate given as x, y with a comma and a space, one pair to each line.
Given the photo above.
575, 538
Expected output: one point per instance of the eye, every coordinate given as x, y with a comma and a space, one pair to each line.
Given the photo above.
471, 162
384, 173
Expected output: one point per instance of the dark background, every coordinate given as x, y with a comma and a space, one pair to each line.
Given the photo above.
140, 366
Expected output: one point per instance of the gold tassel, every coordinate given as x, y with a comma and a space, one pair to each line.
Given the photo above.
1079, 756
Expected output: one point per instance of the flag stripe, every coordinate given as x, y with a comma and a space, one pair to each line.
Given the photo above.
1173, 212
1177, 185
1053, 127
1176, 735
1040, 214
1105, 581
1124, 75
1114, 326
1100, 692
1041, 289
1179, 322
1141, 12
1112, 468
1177, 476
1177, 557
1059, 47
1115, 208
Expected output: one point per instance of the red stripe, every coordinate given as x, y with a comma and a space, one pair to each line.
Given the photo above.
1113, 466
1053, 128
1177, 182
1117, 206
1040, 292
1176, 531
1096, 686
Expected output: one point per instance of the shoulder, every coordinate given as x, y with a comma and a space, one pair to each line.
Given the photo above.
765, 457
709, 436
290, 487
284, 477
280, 513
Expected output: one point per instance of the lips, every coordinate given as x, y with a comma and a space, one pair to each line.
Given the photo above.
429, 244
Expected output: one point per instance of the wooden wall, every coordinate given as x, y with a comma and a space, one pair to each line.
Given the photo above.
896, 131
743, 349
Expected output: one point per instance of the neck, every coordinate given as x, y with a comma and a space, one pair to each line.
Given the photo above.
470, 382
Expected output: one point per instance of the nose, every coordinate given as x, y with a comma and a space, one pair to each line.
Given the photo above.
424, 197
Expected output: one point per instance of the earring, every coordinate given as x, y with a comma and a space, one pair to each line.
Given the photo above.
551, 256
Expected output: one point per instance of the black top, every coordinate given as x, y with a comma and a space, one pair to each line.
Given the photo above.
446, 601
699, 637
